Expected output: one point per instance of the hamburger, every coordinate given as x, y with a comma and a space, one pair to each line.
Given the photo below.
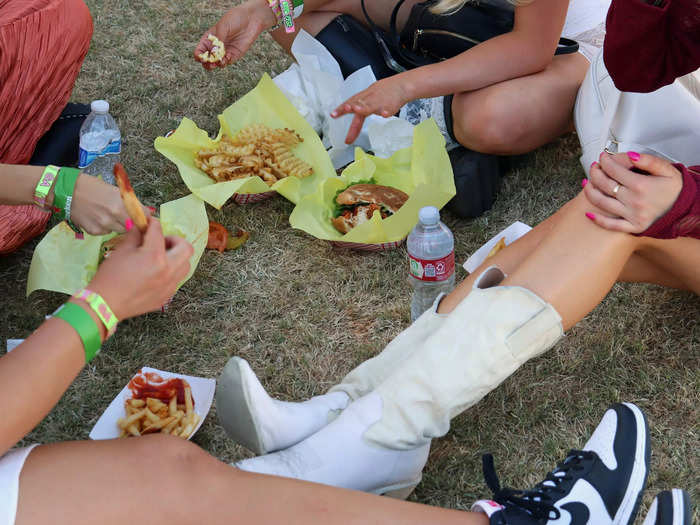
357, 203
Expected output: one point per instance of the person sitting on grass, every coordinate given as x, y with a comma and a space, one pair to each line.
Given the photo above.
625, 226
172, 481
505, 96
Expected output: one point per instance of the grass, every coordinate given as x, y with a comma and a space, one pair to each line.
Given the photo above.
303, 314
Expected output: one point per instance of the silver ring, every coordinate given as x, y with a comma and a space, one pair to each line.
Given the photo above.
616, 189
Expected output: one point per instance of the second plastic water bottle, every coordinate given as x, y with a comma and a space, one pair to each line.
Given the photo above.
432, 260
100, 142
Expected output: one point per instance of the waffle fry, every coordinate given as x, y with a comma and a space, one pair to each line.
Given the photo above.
255, 150
216, 53
151, 415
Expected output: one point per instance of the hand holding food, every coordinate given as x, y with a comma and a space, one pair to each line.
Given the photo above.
131, 202
143, 272
357, 203
384, 98
216, 53
97, 207
255, 150
237, 30
632, 201
158, 406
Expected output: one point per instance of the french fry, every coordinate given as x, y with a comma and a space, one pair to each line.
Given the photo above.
133, 207
154, 405
189, 407
172, 406
497, 248
137, 403
133, 418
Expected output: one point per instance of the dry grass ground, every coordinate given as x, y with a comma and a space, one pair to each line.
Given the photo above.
304, 314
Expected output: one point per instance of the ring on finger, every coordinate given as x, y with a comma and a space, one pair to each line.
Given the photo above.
615, 190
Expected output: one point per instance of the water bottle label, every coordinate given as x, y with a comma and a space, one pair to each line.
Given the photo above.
86, 157
432, 269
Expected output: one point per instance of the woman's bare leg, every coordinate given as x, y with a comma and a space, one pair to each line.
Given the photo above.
167, 480
572, 263
519, 115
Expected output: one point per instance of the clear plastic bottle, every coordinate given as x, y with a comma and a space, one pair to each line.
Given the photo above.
432, 260
100, 142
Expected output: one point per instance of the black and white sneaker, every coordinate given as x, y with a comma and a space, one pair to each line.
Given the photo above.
670, 507
599, 485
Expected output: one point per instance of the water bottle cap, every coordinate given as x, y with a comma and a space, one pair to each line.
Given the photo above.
429, 215
100, 106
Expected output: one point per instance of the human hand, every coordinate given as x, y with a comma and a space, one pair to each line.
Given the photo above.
237, 29
385, 97
97, 206
143, 272
640, 199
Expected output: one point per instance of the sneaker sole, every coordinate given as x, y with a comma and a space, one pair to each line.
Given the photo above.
633, 497
681, 507
233, 410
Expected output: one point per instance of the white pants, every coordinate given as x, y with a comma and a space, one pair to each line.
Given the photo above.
10, 468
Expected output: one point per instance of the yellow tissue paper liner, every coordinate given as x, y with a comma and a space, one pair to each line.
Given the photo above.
265, 104
62, 263
423, 171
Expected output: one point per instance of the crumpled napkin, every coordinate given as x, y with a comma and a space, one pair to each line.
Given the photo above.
315, 86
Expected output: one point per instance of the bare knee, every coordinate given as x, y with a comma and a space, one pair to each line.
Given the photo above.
491, 126
175, 461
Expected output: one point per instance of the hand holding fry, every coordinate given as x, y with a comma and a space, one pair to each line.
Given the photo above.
143, 272
131, 202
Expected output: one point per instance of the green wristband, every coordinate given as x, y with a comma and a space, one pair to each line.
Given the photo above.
84, 325
63, 195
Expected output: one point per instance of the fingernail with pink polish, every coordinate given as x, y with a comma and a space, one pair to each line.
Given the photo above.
590, 215
152, 209
584, 182
593, 164
633, 155
128, 224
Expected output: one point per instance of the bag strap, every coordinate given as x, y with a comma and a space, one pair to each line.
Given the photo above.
383, 47
566, 46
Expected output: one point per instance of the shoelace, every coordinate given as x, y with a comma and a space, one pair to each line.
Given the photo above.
539, 501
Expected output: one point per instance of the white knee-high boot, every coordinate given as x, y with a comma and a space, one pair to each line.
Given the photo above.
487, 337
493, 331
262, 424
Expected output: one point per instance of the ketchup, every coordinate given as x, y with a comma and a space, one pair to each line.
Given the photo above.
150, 384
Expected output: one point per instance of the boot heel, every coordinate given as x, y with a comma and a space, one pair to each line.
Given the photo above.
402, 493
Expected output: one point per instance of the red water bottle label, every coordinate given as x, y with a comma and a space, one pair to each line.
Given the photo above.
432, 269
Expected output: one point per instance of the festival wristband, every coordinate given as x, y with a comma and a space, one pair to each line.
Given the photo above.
84, 325
287, 16
100, 307
274, 6
63, 195
44, 185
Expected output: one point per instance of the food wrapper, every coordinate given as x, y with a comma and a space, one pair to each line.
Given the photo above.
62, 263
423, 171
265, 104
511, 234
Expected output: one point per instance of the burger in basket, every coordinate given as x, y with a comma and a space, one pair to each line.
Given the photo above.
357, 203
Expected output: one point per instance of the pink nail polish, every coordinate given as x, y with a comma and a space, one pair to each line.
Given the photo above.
152, 209
593, 164
590, 215
633, 155
584, 182
128, 224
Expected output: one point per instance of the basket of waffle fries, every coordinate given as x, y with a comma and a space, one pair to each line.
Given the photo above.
374, 204
155, 401
264, 146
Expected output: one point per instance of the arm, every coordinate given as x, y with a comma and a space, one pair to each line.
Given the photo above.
139, 277
240, 26
664, 40
97, 206
526, 50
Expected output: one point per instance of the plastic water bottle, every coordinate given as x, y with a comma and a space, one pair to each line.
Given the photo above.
100, 142
431, 253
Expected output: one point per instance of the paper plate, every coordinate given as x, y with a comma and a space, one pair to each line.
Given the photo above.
202, 393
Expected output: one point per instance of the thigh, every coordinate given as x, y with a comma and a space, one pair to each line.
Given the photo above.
521, 114
677, 259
